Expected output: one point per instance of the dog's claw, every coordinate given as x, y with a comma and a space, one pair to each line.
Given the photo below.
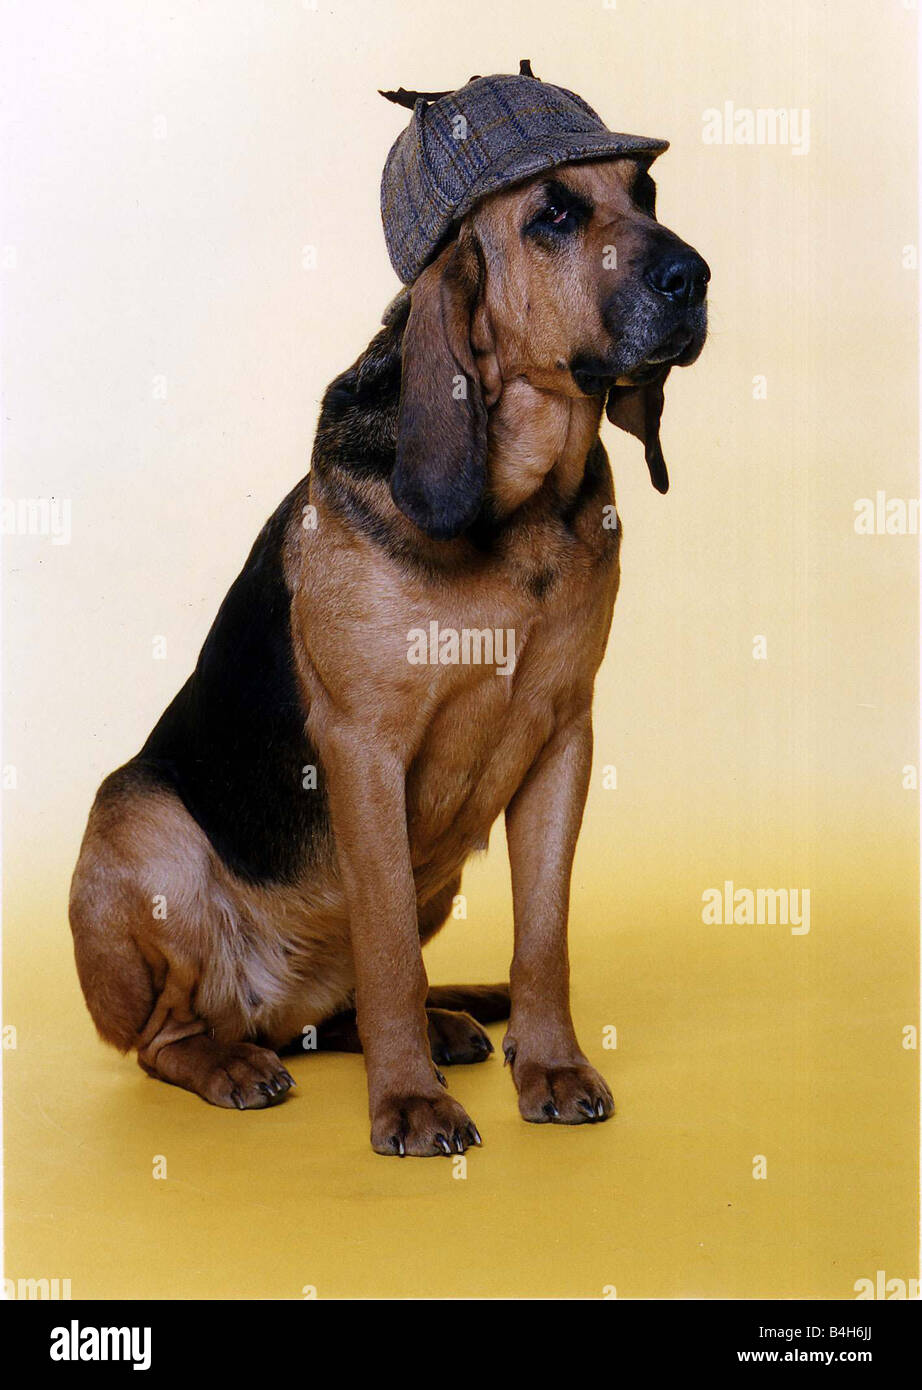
573, 1094
428, 1124
474, 1133
440, 1078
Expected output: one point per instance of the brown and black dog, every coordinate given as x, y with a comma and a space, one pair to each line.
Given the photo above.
296, 825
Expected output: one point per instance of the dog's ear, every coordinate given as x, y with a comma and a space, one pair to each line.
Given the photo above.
638, 409
441, 464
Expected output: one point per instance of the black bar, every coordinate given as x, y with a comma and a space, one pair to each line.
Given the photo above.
191, 1338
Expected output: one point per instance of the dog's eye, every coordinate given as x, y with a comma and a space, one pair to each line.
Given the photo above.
556, 219
644, 194
563, 219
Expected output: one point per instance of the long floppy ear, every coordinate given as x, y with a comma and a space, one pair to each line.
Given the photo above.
441, 465
638, 409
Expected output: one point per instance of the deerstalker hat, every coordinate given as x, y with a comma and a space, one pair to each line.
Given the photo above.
489, 134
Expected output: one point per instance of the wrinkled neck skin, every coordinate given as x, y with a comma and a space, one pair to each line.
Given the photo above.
535, 435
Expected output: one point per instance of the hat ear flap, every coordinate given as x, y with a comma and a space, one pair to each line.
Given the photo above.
440, 469
639, 409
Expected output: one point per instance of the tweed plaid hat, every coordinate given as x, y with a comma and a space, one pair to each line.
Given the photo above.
462, 145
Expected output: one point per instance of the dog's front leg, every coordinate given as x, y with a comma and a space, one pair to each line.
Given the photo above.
410, 1110
554, 1080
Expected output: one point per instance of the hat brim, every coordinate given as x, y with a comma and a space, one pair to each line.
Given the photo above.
552, 151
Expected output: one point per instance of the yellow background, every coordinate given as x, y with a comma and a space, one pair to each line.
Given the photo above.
166, 166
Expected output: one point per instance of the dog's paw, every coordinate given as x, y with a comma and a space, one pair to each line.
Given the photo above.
567, 1095
422, 1126
456, 1038
236, 1076
246, 1077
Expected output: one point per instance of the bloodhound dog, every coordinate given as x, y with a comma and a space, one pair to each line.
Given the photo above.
408, 652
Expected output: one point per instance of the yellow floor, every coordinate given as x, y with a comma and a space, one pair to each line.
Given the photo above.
733, 1042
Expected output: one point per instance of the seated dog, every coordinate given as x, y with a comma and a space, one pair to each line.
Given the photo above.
295, 827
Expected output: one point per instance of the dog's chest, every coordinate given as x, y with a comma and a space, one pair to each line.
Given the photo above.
490, 721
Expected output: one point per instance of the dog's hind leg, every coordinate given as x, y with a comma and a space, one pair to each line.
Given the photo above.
137, 912
225, 1074
456, 1038
486, 1003
176, 1046
455, 1034
453, 1037
454, 1012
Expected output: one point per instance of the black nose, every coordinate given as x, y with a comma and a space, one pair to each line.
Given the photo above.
681, 276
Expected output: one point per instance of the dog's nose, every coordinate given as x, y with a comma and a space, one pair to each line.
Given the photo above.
681, 276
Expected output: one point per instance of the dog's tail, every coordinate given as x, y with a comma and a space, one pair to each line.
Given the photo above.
485, 1003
